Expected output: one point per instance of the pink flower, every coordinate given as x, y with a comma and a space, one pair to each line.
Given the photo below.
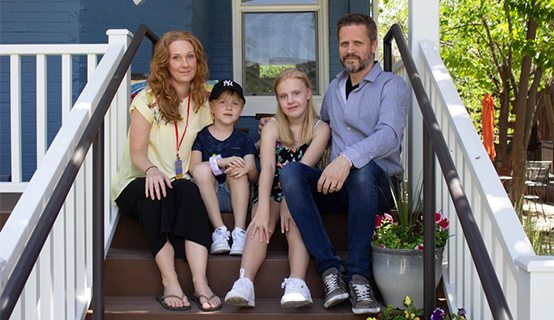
378, 221
388, 217
419, 247
444, 224
438, 217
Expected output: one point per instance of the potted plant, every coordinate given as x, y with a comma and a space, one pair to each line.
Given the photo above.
397, 255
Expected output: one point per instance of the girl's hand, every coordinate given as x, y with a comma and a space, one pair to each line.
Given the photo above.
260, 225
286, 217
155, 182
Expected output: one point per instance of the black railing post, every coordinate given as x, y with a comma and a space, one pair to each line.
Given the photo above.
429, 289
98, 224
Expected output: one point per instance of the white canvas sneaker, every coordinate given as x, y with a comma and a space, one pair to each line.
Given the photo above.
239, 237
242, 293
220, 241
296, 294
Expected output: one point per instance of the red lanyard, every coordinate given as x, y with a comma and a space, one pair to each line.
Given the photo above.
177, 141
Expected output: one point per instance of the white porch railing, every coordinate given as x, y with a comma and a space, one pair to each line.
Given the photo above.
526, 279
60, 284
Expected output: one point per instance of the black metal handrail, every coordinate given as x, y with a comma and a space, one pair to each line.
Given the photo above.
434, 143
93, 131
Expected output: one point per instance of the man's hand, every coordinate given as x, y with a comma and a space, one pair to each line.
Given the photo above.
333, 177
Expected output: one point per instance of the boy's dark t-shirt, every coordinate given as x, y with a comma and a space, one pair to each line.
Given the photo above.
238, 144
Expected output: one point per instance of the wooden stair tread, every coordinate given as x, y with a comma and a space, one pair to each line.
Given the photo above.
146, 307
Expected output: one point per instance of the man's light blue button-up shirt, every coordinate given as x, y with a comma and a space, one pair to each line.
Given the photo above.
370, 124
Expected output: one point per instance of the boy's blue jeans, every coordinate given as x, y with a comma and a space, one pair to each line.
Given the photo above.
365, 192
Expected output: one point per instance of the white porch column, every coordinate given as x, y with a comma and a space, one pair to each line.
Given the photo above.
535, 283
423, 21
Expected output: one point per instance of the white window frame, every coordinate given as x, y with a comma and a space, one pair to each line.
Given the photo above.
268, 104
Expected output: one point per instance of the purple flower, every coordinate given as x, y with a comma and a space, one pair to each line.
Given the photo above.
438, 314
462, 312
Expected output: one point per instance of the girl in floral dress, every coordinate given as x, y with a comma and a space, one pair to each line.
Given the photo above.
295, 134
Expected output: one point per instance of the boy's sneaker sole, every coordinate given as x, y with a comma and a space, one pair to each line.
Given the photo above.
235, 252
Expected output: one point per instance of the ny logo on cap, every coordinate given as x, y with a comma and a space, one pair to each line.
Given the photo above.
227, 83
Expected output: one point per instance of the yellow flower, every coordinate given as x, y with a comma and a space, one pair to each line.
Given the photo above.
371, 318
407, 301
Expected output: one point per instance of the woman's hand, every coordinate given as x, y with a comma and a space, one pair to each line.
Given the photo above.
155, 182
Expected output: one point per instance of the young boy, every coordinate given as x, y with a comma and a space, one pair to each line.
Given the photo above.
223, 164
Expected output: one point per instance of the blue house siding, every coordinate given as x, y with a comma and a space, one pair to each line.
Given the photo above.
337, 9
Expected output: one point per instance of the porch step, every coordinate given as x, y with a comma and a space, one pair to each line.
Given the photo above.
143, 278
129, 233
146, 308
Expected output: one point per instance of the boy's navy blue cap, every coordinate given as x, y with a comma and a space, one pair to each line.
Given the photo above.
226, 85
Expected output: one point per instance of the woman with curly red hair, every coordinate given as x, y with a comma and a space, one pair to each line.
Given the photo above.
152, 184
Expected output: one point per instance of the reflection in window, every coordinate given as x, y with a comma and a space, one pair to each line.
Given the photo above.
277, 41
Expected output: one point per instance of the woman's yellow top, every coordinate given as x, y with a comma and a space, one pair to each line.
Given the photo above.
162, 148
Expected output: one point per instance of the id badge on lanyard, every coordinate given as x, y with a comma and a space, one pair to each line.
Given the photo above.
179, 162
178, 169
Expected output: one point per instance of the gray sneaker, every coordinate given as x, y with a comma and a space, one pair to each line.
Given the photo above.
361, 296
335, 287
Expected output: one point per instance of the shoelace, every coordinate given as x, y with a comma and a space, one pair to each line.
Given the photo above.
331, 282
241, 281
362, 292
289, 284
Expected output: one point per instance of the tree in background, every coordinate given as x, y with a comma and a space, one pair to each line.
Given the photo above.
505, 48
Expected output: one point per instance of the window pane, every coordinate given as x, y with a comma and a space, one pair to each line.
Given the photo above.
276, 41
264, 2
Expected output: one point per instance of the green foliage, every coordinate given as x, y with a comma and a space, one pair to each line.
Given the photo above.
481, 38
541, 241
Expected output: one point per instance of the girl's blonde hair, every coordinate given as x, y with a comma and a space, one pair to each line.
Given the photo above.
158, 80
285, 133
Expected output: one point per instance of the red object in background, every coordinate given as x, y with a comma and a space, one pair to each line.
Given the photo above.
487, 125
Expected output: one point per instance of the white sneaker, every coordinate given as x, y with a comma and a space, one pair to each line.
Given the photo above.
220, 239
242, 293
296, 294
239, 237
